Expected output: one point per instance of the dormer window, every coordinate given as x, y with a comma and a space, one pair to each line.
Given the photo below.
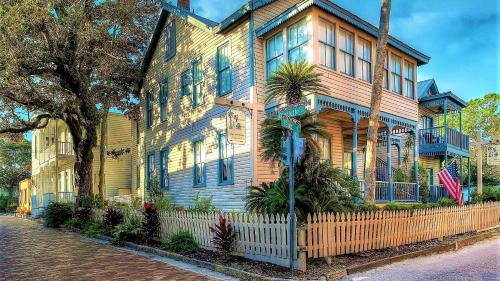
170, 44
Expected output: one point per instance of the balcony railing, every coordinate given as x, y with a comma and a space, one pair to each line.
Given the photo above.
65, 197
63, 149
401, 191
443, 135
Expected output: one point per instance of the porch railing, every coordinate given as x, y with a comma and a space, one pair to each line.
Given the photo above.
442, 135
436, 192
66, 197
404, 191
66, 148
47, 198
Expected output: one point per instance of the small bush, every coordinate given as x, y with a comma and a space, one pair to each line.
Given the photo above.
127, 232
163, 203
82, 216
446, 202
203, 204
72, 223
91, 201
490, 193
224, 236
112, 218
150, 223
58, 213
365, 207
181, 242
93, 228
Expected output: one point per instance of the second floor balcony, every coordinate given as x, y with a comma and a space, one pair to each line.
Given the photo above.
438, 140
62, 150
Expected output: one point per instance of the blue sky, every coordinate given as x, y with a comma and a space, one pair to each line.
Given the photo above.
461, 37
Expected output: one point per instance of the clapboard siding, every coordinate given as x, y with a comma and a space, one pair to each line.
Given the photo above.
184, 123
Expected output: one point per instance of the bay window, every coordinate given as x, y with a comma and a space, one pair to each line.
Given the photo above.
298, 37
346, 47
365, 60
396, 74
274, 54
327, 44
409, 80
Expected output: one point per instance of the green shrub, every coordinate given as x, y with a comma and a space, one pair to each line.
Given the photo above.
203, 204
490, 193
58, 213
82, 215
8, 204
400, 176
93, 228
91, 201
365, 207
395, 206
162, 203
72, 223
446, 202
181, 242
112, 218
127, 232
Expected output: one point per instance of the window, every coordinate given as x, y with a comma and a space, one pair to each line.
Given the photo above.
386, 73
224, 83
198, 97
226, 161
327, 44
409, 82
427, 122
297, 41
163, 100
186, 83
150, 168
324, 148
430, 173
346, 41
137, 133
149, 109
396, 74
170, 44
164, 177
274, 54
199, 178
347, 163
365, 60
138, 177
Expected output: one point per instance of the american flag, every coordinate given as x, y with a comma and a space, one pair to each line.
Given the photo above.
451, 182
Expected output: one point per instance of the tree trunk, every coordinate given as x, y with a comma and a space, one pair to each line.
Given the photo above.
102, 148
83, 169
373, 123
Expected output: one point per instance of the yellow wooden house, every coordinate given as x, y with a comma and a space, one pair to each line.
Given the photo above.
53, 160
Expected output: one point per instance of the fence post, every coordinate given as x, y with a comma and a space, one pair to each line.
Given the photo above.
302, 260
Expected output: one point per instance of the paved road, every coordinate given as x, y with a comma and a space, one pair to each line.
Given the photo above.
30, 252
477, 262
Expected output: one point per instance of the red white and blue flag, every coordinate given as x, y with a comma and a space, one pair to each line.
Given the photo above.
451, 182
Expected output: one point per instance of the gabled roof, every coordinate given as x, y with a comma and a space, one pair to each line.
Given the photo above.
424, 86
345, 15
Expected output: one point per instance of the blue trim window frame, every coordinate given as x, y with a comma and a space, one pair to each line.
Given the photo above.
298, 36
150, 167
386, 73
149, 109
224, 71
163, 97
346, 48
170, 40
327, 44
325, 148
274, 53
197, 78
365, 60
226, 161
164, 176
186, 83
396, 74
409, 80
199, 167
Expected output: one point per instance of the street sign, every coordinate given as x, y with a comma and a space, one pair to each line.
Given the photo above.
290, 123
293, 110
236, 126
493, 155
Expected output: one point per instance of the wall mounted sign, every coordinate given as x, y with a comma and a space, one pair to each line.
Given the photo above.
493, 155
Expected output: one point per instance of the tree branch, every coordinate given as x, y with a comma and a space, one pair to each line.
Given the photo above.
38, 122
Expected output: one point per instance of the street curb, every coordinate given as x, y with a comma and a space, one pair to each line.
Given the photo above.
234, 272
436, 250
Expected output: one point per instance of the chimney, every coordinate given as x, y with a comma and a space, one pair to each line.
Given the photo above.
184, 4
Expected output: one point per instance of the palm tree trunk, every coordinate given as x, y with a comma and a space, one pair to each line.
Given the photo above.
102, 148
378, 77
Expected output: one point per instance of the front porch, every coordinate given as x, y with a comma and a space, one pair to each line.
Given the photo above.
347, 124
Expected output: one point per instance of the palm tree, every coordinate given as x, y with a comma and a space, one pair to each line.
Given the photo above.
292, 81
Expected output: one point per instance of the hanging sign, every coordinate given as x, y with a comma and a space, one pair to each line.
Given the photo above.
236, 126
493, 155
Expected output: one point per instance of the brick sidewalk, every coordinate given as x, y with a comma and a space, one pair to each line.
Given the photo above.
29, 251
